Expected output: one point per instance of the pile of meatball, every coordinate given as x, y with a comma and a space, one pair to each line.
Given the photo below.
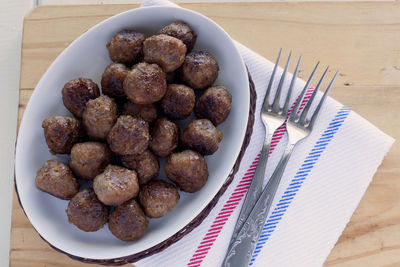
115, 139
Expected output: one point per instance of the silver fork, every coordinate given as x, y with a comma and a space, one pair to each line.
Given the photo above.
298, 127
272, 116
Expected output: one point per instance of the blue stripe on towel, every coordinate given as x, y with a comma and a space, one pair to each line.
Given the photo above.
298, 179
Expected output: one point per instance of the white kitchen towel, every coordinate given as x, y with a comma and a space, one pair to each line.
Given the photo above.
322, 185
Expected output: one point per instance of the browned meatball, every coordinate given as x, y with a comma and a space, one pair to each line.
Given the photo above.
202, 136
164, 137
187, 169
214, 104
199, 70
178, 101
183, 32
116, 185
86, 212
99, 116
113, 79
164, 50
129, 136
89, 159
158, 198
125, 47
76, 93
145, 83
145, 112
128, 222
146, 165
61, 133
56, 178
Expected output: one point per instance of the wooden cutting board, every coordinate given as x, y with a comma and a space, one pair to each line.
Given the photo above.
362, 39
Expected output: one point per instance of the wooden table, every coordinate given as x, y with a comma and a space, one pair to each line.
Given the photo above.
361, 39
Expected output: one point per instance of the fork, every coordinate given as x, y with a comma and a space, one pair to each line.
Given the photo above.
298, 127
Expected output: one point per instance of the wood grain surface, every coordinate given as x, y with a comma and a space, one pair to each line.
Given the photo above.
362, 39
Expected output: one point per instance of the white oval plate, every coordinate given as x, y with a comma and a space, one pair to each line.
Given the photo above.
87, 57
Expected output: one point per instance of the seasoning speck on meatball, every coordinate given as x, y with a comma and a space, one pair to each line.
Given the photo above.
125, 47
182, 31
146, 165
89, 159
164, 137
99, 116
145, 83
199, 70
116, 185
147, 113
187, 169
164, 50
56, 178
61, 133
86, 212
77, 92
214, 104
202, 136
112, 81
158, 198
128, 222
129, 136
178, 102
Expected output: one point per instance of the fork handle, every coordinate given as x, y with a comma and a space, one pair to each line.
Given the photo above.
255, 189
240, 251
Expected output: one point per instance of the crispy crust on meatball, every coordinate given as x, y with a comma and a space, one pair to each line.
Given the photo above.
145, 83
116, 185
182, 31
77, 92
129, 136
178, 102
56, 178
112, 81
128, 222
146, 165
125, 47
86, 212
214, 104
61, 133
147, 112
164, 137
187, 169
158, 198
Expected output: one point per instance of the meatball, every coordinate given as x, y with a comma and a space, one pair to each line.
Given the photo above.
76, 93
146, 165
164, 137
128, 222
202, 136
147, 112
113, 79
86, 212
182, 31
56, 178
164, 50
187, 169
145, 83
178, 101
61, 133
158, 198
89, 159
129, 136
199, 70
125, 47
116, 185
214, 104
99, 116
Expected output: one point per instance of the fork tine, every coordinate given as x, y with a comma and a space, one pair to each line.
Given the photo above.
290, 90
306, 109
275, 105
318, 109
266, 98
293, 114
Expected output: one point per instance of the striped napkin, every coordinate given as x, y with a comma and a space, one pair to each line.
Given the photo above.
320, 189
